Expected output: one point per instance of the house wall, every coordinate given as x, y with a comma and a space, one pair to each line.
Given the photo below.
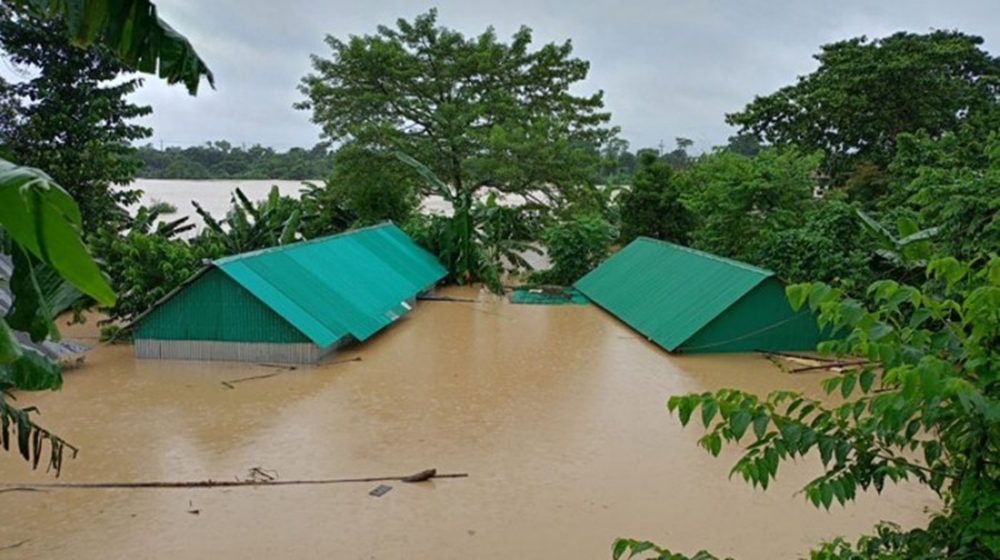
215, 308
760, 320
294, 353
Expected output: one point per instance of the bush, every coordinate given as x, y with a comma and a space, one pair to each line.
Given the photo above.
575, 247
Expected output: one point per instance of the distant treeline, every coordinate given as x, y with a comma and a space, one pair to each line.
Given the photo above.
222, 160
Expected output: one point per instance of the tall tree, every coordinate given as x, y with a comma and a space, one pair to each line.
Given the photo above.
866, 92
476, 111
72, 118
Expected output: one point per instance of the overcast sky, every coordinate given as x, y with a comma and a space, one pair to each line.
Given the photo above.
667, 68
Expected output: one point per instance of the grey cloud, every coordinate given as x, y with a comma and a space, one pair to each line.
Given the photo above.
668, 69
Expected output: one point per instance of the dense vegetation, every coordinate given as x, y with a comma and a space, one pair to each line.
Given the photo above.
222, 160
874, 182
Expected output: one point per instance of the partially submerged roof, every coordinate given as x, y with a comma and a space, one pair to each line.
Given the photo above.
354, 283
688, 300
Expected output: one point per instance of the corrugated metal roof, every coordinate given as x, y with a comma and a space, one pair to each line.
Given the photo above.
352, 283
668, 292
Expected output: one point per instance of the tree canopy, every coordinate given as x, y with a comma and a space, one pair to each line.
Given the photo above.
476, 111
866, 92
222, 160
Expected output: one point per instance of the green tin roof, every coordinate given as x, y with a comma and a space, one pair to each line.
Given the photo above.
354, 283
669, 293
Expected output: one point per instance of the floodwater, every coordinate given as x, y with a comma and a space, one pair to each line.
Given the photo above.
556, 413
215, 195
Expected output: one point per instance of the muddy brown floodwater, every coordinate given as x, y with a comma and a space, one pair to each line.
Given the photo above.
556, 413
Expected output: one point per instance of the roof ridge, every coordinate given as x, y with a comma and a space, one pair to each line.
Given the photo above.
747, 266
290, 246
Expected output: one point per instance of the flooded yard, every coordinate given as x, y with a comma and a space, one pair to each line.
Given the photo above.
557, 414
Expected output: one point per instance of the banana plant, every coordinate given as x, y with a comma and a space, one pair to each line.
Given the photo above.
911, 247
249, 226
481, 239
146, 221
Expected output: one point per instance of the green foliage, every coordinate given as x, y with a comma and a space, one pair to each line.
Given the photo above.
479, 113
829, 246
617, 164
959, 195
249, 225
926, 409
735, 199
866, 92
325, 212
145, 267
651, 551
480, 241
652, 207
40, 218
375, 186
575, 246
910, 247
72, 117
222, 160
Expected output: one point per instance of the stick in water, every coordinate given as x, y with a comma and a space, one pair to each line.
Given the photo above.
418, 477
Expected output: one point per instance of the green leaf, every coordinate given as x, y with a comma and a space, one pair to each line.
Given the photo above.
620, 546
30, 312
41, 217
826, 446
684, 405
826, 494
760, 423
10, 347
438, 185
640, 547
949, 268
797, 295
709, 407
847, 386
738, 423
791, 433
31, 372
819, 293
830, 384
866, 379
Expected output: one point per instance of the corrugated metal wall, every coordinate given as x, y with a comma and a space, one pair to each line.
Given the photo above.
300, 353
215, 308
761, 320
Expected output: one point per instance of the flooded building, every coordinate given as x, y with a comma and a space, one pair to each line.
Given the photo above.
690, 301
290, 304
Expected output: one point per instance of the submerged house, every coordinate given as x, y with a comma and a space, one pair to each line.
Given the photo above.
290, 304
690, 301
